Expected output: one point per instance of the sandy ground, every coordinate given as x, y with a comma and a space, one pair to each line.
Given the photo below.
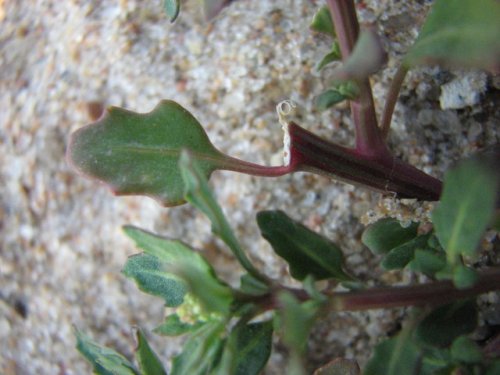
61, 244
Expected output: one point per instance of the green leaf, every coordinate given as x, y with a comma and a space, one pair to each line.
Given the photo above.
428, 261
396, 356
333, 55
444, 324
306, 252
465, 350
173, 326
200, 196
367, 57
176, 261
149, 363
322, 22
387, 234
172, 8
328, 99
401, 255
149, 274
201, 352
296, 320
138, 153
459, 33
252, 286
210, 293
464, 277
105, 361
466, 208
250, 345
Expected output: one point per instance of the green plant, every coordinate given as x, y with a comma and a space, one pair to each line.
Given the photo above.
166, 154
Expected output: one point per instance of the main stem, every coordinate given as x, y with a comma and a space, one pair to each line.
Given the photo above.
369, 140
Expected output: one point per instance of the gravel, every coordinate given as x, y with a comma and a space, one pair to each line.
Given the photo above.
61, 243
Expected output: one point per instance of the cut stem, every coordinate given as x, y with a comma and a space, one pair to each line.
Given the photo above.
381, 172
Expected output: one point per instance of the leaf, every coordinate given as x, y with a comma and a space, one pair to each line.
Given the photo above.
150, 276
212, 295
403, 254
176, 261
367, 57
173, 326
459, 33
396, 356
252, 286
427, 261
386, 234
328, 99
464, 277
138, 153
466, 208
149, 363
250, 345
296, 320
306, 252
200, 196
339, 92
172, 8
465, 350
105, 361
322, 22
201, 352
444, 324
333, 55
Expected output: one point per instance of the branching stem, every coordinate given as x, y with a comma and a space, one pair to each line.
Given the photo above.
391, 100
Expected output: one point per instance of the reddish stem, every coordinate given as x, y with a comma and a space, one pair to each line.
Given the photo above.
436, 293
369, 140
381, 171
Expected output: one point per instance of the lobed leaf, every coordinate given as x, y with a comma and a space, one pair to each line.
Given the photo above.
459, 33
139, 153
173, 260
105, 361
149, 363
467, 205
306, 252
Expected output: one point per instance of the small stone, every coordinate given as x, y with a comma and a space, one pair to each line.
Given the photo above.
463, 91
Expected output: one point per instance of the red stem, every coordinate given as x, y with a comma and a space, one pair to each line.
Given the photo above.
381, 172
436, 293
369, 140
